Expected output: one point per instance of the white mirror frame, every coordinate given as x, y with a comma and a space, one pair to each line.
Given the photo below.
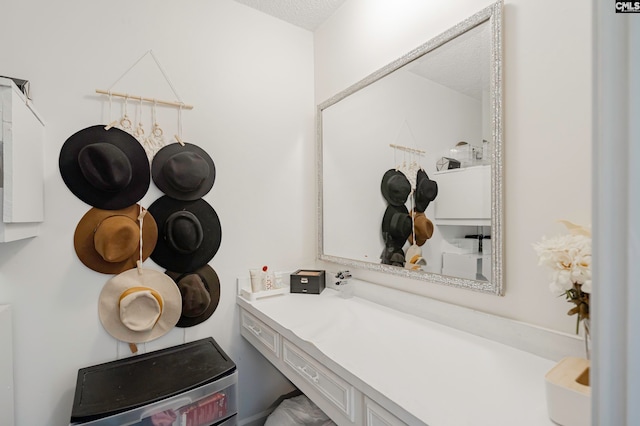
492, 14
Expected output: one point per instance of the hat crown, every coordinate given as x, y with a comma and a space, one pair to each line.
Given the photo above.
105, 166
183, 232
116, 238
185, 171
195, 297
140, 308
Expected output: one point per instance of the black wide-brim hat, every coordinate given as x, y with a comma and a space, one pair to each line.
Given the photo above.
397, 225
107, 169
395, 187
183, 172
208, 277
189, 233
426, 191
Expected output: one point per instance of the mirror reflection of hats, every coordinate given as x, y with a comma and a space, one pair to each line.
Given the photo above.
200, 292
392, 255
396, 222
395, 187
138, 306
108, 241
183, 172
423, 228
189, 233
426, 191
107, 169
413, 258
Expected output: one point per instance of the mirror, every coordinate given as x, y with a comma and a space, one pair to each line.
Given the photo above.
412, 114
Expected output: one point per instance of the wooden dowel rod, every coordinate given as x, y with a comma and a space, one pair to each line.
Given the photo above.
141, 98
404, 148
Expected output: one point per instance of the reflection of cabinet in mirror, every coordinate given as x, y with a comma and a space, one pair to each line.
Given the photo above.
464, 196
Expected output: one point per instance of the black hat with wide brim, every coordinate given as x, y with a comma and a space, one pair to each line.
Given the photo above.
189, 233
426, 191
200, 292
184, 172
107, 169
395, 187
397, 225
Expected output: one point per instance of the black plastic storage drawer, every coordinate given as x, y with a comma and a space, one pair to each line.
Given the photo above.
194, 384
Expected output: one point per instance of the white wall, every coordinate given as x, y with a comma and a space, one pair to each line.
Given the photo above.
547, 125
250, 79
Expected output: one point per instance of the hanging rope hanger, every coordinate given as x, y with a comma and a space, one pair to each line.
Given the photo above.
406, 148
177, 104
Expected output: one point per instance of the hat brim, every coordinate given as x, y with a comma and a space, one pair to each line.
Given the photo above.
161, 182
109, 306
168, 258
83, 189
212, 283
85, 248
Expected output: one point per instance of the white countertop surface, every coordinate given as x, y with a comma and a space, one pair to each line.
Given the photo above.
440, 375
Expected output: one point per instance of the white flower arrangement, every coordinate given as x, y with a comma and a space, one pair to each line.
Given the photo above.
569, 256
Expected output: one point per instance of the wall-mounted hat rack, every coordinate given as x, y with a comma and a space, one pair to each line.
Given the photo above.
407, 149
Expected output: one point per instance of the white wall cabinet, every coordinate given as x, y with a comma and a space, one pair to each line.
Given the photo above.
22, 166
464, 196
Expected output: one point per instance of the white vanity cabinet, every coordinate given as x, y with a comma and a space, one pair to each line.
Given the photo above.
464, 196
367, 364
22, 165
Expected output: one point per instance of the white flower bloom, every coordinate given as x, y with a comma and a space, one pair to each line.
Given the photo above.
569, 257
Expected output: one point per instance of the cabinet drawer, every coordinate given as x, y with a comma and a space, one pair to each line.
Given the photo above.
338, 392
375, 415
257, 329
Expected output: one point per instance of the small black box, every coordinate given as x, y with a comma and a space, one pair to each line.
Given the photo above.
307, 281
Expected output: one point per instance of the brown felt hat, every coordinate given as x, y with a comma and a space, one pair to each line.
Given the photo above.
108, 241
423, 228
200, 291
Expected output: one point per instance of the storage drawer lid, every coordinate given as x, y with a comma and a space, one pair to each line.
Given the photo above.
114, 387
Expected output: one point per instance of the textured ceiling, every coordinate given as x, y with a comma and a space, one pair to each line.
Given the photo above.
307, 14
461, 64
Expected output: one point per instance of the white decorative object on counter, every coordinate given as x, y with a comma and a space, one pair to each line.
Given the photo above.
569, 393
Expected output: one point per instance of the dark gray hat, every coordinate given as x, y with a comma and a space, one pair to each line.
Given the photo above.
395, 187
183, 172
189, 233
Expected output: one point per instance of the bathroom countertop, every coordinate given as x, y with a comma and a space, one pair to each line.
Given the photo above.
438, 374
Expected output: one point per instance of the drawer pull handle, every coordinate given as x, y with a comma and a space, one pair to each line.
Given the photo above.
256, 330
304, 372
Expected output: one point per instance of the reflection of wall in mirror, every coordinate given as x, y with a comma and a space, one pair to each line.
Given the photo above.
357, 132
